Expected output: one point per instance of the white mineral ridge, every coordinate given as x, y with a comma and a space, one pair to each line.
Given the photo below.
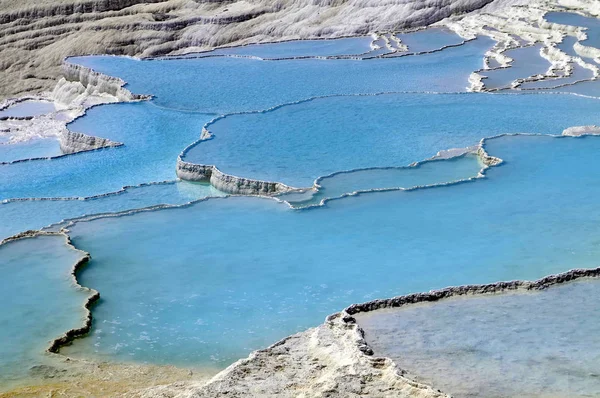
578, 131
72, 142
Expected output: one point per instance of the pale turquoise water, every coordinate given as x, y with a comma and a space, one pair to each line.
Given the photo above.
223, 84
153, 138
38, 302
514, 345
209, 283
36, 148
28, 108
298, 143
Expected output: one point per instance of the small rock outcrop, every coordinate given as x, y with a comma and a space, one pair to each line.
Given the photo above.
71, 142
578, 131
228, 183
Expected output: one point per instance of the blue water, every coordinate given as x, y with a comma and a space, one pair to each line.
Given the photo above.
513, 345
28, 108
35, 214
38, 302
591, 89
579, 74
566, 45
298, 143
591, 24
246, 84
209, 283
153, 138
37, 148
429, 39
527, 62
427, 173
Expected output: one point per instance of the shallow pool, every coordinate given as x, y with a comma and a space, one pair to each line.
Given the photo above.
35, 148
591, 24
527, 62
29, 108
510, 345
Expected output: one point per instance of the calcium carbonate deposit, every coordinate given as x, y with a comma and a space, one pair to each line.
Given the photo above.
194, 194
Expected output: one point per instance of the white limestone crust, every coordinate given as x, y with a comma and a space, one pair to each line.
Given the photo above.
72, 142
228, 183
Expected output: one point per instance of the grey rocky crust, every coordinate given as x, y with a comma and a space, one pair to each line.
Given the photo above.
71, 142
228, 183
36, 35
